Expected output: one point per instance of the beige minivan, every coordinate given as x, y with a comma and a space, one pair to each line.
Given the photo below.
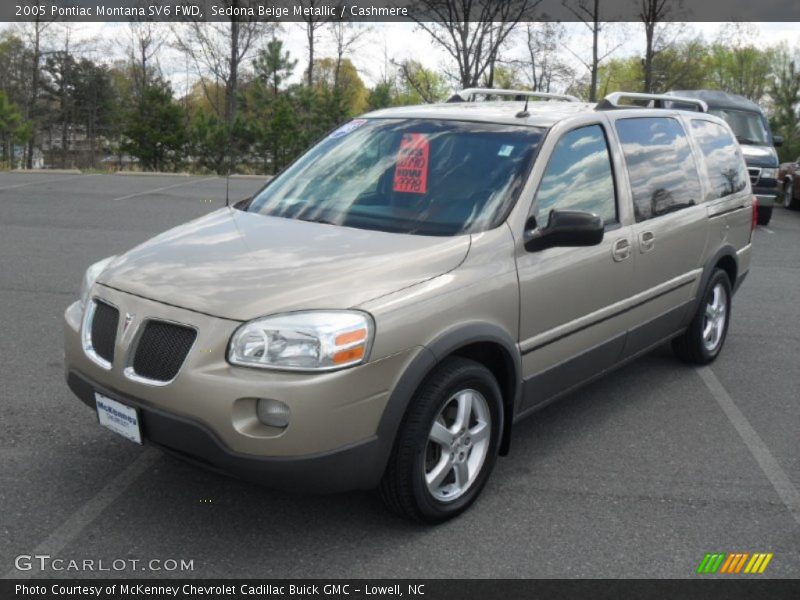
382, 311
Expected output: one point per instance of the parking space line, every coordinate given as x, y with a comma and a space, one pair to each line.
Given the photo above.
777, 476
768, 230
161, 189
86, 514
19, 185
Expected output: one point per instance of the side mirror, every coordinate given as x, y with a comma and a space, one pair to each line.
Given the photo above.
565, 228
777, 140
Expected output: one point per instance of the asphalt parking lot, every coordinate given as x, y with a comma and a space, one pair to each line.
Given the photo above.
637, 475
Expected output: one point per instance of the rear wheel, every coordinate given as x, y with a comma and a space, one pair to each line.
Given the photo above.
764, 215
447, 445
789, 200
703, 340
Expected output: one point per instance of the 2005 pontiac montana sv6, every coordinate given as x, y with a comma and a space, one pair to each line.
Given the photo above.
383, 310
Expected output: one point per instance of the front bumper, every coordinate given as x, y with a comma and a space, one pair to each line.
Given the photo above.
208, 412
766, 191
356, 467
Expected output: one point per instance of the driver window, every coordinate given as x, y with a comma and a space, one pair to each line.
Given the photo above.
578, 177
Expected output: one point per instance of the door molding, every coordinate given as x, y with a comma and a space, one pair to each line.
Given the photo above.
608, 312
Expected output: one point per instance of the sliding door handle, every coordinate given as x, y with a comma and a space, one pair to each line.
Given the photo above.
647, 241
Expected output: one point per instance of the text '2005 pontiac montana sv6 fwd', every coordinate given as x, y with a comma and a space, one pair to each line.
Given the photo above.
381, 312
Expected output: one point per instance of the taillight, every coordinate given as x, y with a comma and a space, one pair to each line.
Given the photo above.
755, 215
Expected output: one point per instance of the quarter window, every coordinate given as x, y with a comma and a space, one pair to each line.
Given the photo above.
727, 173
578, 177
661, 167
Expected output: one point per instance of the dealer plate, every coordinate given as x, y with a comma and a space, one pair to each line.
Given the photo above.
118, 417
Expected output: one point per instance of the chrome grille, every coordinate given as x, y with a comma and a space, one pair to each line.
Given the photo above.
755, 174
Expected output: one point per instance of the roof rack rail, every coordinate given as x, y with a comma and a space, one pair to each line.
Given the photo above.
469, 94
612, 101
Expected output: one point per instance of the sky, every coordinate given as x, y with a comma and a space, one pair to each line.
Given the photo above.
399, 41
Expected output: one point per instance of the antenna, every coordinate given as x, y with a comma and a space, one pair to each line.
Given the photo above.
524, 112
227, 187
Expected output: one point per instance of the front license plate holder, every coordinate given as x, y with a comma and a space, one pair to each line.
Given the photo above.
118, 417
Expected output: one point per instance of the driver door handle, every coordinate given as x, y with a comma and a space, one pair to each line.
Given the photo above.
621, 249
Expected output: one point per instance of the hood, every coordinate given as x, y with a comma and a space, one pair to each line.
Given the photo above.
240, 265
759, 156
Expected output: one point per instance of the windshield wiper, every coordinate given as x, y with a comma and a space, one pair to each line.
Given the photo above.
744, 140
316, 220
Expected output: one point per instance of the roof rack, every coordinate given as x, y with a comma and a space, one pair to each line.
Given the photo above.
612, 101
469, 94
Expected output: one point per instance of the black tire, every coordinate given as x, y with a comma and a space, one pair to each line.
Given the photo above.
403, 487
764, 215
690, 346
789, 201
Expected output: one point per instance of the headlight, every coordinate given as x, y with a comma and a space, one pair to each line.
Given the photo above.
303, 341
769, 173
91, 275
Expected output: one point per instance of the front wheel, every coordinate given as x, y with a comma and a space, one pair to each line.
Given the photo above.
447, 445
703, 340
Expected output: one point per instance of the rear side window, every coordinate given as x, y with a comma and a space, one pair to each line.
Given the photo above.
727, 173
661, 166
578, 177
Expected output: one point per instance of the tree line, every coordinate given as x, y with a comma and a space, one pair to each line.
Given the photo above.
253, 107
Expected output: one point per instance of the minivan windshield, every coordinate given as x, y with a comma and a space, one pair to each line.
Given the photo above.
748, 127
416, 176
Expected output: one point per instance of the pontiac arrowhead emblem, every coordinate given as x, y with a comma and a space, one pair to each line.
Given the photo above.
129, 317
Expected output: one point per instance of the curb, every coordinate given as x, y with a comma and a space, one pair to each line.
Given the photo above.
46, 171
152, 174
134, 173
261, 177
166, 174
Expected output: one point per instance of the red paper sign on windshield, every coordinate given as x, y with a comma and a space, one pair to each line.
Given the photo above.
411, 172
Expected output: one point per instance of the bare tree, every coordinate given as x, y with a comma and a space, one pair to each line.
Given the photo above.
472, 32
58, 87
651, 14
388, 72
588, 13
346, 37
220, 50
543, 64
143, 47
34, 32
311, 23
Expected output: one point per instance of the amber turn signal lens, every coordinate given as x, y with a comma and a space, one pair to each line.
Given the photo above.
350, 337
349, 355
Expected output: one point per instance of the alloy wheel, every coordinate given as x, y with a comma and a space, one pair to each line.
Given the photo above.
714, 319
458, 443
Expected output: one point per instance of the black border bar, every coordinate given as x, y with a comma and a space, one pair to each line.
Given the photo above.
700, 588
388, 10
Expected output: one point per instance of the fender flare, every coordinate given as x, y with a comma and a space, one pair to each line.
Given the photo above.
433, 354
725, 251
